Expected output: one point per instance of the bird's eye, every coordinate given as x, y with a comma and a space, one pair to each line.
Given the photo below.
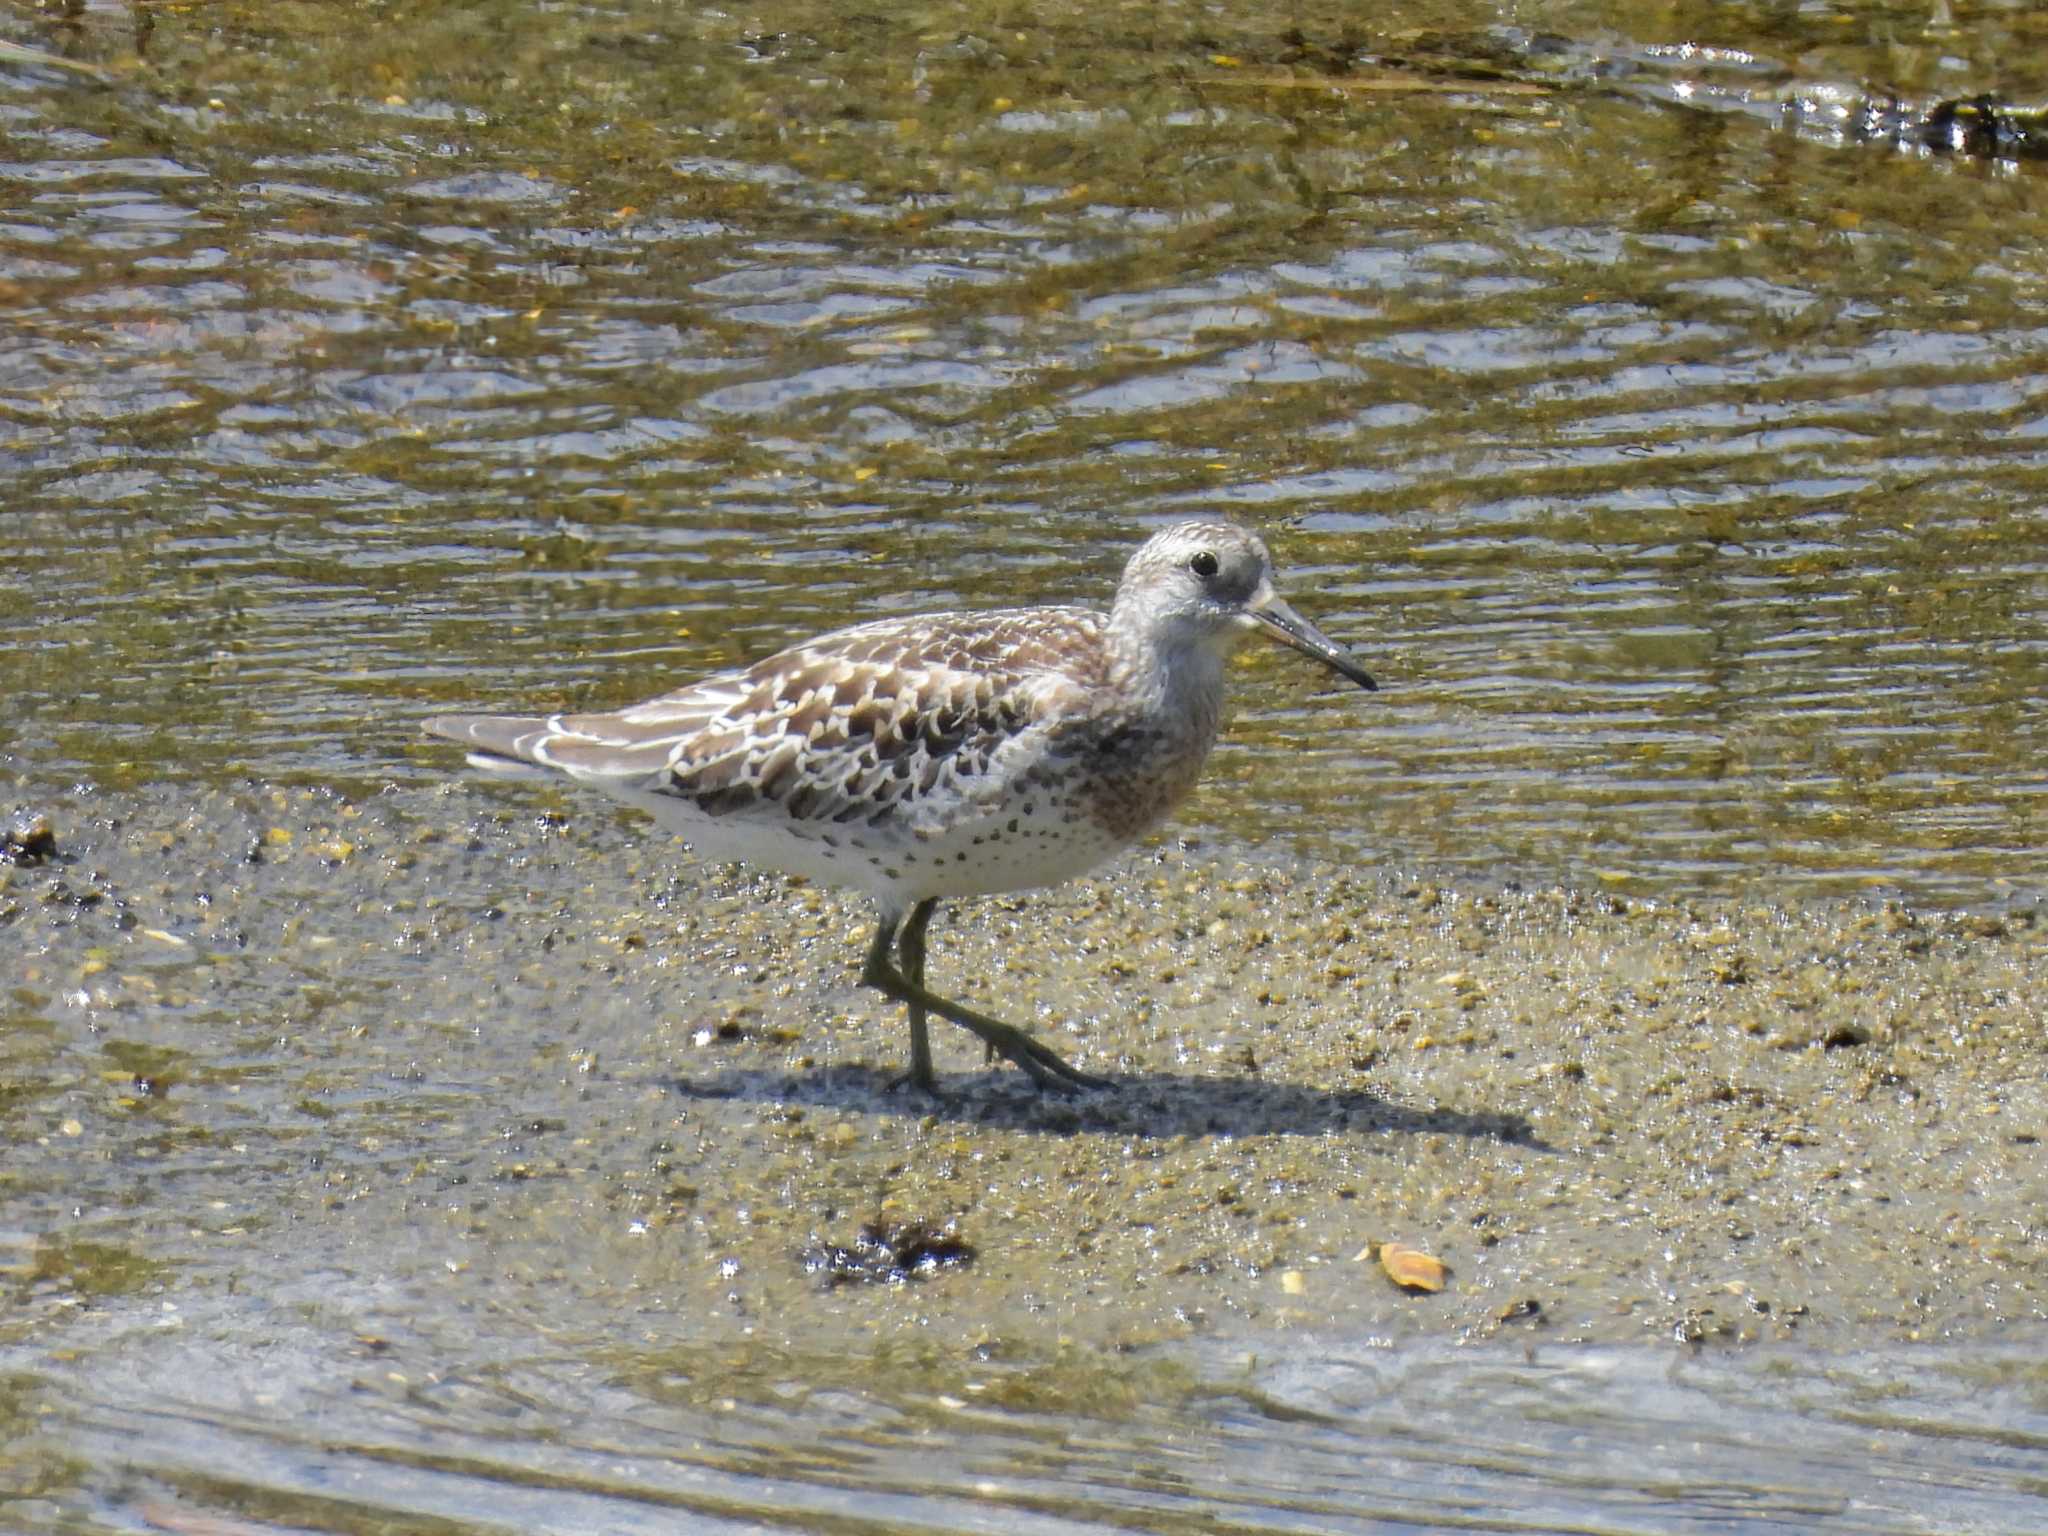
1203, 564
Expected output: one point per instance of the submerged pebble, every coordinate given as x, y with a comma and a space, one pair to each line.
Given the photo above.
27, 837
891, 1252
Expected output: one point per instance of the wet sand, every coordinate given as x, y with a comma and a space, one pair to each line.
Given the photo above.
515, 1053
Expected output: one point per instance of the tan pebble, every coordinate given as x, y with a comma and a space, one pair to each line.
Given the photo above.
1411, 1268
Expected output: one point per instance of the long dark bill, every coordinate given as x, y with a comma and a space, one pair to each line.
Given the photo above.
1290, 628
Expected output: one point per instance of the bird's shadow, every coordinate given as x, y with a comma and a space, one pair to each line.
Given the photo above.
1140, 1104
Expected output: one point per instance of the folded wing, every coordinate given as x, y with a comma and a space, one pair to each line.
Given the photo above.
921, 720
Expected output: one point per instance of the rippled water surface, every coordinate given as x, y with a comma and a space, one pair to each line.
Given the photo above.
1679, 469
1681, 475
1350, 1439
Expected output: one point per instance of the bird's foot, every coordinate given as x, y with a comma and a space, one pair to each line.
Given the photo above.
1044, 1065
926, 1083
1039, 1062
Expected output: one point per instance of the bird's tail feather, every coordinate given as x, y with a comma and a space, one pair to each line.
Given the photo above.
498, 744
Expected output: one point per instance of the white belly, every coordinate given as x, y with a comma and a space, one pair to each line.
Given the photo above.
974, 856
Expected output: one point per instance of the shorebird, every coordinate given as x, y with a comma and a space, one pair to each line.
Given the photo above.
943, 755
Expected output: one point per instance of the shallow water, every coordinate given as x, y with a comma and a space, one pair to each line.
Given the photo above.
194, 1432
1680, 475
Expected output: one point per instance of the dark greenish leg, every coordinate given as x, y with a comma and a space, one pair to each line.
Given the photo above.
1041, 1064
910, 946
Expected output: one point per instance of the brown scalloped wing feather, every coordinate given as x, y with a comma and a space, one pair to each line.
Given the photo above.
845, 728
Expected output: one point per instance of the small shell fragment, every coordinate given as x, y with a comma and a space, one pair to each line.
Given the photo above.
1411, 1267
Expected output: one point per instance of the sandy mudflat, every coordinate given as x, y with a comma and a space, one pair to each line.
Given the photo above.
553, 1067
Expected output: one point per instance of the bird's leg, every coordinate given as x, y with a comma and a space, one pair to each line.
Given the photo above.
1043, 1066
910, 946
